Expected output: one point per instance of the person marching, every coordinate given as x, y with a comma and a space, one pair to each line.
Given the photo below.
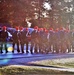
15, 38
62, 40
39, 40
26, 36
51, 40
68, 40
45, 40
57, 40
4, 37
1, 40
21, 39
34, 40
72, 42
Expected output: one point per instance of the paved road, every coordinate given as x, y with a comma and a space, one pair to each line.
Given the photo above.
21, 59
24, 59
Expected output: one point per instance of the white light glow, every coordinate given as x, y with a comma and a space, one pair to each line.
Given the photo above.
68, 0
29, 24
47, 6
10, 49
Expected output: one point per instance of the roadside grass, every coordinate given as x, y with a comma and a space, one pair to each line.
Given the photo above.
29, 70
64, 62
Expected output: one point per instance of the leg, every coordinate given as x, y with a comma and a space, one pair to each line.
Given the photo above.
18, 50
35, 49
31, 47
22, 47
13, 45
6, 47
1, 46
27, 47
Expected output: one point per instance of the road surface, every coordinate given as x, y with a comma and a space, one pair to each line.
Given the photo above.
25, 59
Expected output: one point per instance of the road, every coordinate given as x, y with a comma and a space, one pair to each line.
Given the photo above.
22, 59
25, 59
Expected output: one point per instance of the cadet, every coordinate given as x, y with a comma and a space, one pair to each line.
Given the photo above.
0, 40
68, 40
34, 40
39, 40
45, 40
4, 37
26, 37
62, 40
15, 38
21, 38
57, 40
51, 40
73, 40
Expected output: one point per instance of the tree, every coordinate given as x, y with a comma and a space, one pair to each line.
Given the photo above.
45, 13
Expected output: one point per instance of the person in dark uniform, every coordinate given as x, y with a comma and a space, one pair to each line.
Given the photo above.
21, 38
4, 37
45, 40
0, 40
51, 40
72, 42
62, 40
41, 41
68, 40
15, 38
57, 40
26, 36
34, 40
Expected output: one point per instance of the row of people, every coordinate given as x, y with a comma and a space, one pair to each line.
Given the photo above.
58, 40
41, 40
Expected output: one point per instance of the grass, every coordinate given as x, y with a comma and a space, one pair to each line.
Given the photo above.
66, 62
25, 70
